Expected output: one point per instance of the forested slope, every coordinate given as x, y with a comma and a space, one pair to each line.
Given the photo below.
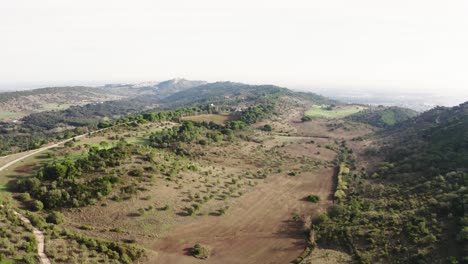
412, 207
383, 117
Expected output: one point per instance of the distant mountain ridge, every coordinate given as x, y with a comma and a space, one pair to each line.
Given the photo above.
221, 91
20, 103
161, 89
51, 98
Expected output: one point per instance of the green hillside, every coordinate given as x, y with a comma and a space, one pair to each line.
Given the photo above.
383, 116
411, 207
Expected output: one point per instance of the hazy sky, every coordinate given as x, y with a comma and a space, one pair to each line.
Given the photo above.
394, 44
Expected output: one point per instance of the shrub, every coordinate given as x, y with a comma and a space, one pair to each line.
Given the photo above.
200, 251
267, 127
55, 218
313, 198
28, 259
37, 205
36, 220
335, 210
24, 197
86, 227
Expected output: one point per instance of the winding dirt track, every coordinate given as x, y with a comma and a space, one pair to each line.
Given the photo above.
39, 238
37, 233
257, 229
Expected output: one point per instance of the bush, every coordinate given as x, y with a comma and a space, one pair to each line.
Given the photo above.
313, 198
37, 205
36, 220
55, 218
200, 251
335, 210
24, 197
267, 127
28, 259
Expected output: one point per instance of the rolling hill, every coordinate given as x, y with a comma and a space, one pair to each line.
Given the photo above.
25, 102
228, 171
383, 117
410, 206
14, 105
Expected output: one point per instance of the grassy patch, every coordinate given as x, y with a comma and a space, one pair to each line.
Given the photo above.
55, 106
4, 115
333, 112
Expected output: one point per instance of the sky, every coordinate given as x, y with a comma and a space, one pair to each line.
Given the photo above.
394, 45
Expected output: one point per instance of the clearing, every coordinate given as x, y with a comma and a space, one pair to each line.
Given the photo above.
260, 226
327, 111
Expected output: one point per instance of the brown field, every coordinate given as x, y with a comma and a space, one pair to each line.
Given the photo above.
258, 229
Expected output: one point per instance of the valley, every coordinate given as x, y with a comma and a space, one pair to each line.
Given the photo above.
236, 177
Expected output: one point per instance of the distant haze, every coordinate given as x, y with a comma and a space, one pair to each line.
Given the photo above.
392, 46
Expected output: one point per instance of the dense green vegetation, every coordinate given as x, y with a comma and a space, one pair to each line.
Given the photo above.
67, 184
383, 117
256, 113
230, 93
208, 132
411, 209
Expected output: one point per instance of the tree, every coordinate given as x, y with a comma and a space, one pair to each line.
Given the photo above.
54, 171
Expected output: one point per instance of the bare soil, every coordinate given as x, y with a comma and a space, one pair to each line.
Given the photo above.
260, 229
